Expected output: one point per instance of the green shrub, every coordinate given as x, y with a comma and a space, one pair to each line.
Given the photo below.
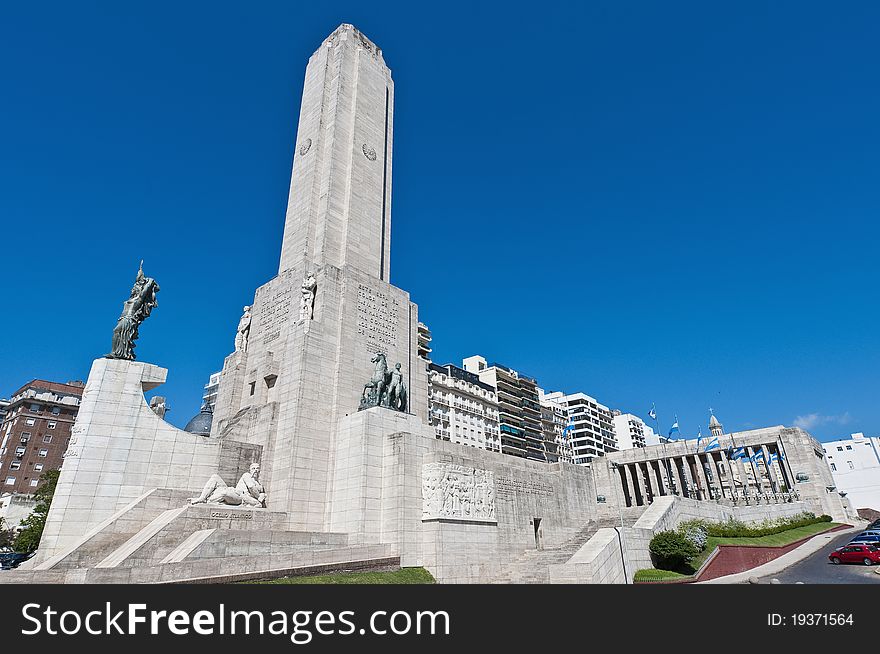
737, 529
671, 550
696, 534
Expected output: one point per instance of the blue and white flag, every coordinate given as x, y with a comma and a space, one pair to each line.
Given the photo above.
568, 428
758, 457
653, 412
699, 437
674, 429
738, 453
713, 444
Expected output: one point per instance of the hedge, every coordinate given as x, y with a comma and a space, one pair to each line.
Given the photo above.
737, 529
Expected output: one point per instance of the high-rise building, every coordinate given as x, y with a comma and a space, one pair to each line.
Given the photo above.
424, 341
462, 408
209, 398
519, 411
554, 420
629, 430
593, 426
35, 432
855, 467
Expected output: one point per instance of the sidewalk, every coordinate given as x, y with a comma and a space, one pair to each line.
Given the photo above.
777, 565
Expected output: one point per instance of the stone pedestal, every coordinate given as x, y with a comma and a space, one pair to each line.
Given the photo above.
120, 449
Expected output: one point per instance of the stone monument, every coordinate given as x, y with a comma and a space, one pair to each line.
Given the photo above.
356, 474
307, 357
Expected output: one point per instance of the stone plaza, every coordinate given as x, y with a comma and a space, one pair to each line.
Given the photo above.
321, 456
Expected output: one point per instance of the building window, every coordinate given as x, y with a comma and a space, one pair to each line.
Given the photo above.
47, 438
34, 482
10, 481
31, 422
44, 453
851, 466
840, 449
849, 447
19, 451
15, 465
35, 407
51, 424
38, 467
56, 410
833, 468
25, 436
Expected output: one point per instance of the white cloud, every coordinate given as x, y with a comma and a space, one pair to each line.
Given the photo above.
812, 420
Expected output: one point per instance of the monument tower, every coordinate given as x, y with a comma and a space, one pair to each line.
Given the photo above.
315, 327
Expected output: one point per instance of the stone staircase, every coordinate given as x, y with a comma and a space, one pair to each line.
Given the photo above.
533, 566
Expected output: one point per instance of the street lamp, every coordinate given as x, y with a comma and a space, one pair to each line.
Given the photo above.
619, 530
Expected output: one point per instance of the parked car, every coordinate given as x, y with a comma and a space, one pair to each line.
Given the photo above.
856, 553
867, 536
10, 559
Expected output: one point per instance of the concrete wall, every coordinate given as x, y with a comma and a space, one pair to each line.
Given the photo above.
120, 450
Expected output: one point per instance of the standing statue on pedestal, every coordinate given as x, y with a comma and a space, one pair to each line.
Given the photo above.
386, 388
307, 299
396, 397
244, 331
248, 490
136, 309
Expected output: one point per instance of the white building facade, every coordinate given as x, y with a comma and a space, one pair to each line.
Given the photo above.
462, 409
855, 467
630, 431
593, 432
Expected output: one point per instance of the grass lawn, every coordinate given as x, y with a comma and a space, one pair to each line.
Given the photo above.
402, 576
652, 574
774, 540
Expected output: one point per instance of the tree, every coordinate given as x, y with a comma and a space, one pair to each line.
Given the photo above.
671, 550
28, 538
7, 535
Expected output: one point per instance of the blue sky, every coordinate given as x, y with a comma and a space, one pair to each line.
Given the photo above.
647, 202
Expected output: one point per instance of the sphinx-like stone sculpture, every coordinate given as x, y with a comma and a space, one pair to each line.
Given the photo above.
248, 491
386, 387
135, 310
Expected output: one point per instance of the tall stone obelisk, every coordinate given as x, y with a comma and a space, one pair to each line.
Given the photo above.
308, 353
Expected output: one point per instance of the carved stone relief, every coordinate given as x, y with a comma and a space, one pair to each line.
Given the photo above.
457, 492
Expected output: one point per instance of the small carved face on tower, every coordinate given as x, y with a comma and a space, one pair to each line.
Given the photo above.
398, 367
255, 470
246, 309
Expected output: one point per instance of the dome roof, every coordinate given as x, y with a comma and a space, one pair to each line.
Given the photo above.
201, 422
713, 421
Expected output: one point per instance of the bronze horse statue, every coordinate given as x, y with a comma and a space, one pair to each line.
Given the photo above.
385, 388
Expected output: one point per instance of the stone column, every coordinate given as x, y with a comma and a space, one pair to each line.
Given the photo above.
731, 483
625, 488
632, 478
646, 481
771, 474
681, 470
756, 474
702, 476
658, 473
783, 467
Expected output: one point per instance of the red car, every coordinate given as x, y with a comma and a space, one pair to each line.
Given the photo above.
855, 553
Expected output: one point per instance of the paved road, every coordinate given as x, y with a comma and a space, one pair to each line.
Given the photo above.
817, 569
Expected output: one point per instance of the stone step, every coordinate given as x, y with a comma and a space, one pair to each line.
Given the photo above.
140, 539
192, 541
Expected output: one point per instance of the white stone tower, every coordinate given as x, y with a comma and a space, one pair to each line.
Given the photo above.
715, 427
308, 352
